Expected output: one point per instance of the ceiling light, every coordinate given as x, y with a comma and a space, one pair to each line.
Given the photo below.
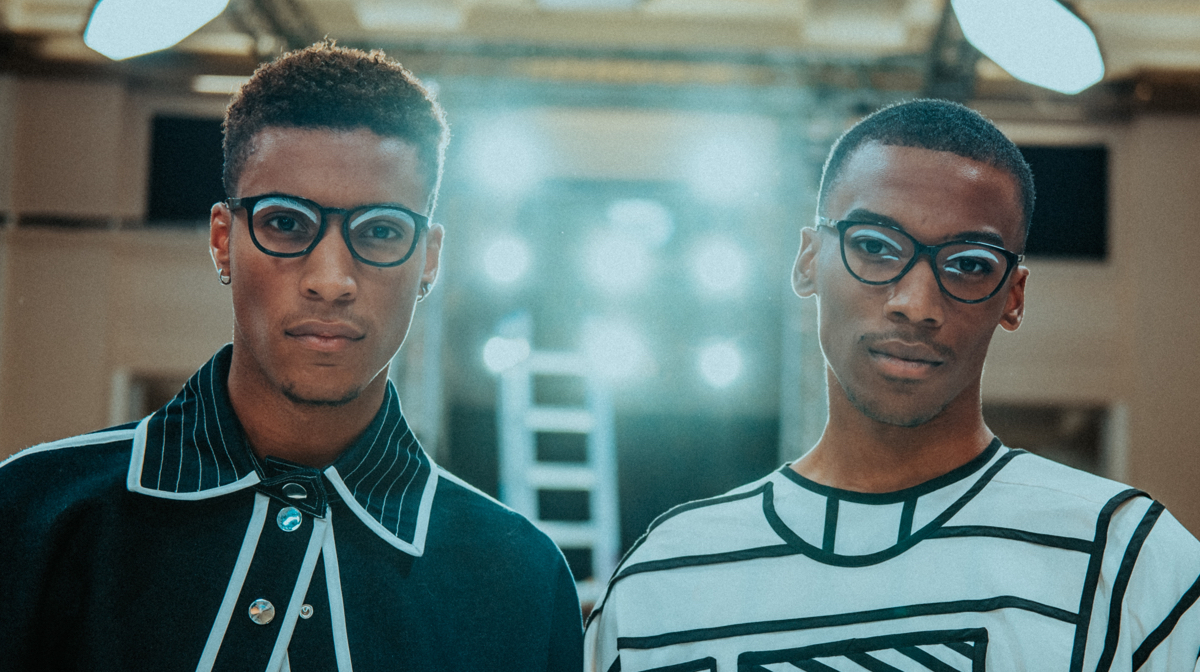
720, 364
1037, 41
719, 266
122, 29
506, 259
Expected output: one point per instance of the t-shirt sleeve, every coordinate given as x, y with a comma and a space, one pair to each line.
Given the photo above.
600, 641
1160, 614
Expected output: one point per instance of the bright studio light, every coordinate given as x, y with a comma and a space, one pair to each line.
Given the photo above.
720, 364
719, 267
614, 350
1036, 41
126, 28
506, 260
501, 354
617, 262
507, 158
726, 169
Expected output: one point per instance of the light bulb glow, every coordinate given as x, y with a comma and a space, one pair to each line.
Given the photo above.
719, 267
122, 29
617, 262
501, 354
720, 364
506, 260
1037, 41
615, 351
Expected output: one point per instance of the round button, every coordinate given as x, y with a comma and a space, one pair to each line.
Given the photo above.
289, 519
262, 612
294, 491
306, 611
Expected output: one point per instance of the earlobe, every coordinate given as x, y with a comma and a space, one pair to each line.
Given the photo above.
1014, 304
804, 272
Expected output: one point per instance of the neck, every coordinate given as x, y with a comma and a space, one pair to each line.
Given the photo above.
864, 455
306, 434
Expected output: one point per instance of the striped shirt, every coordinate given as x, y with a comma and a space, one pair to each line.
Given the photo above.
1010, 562
169, 545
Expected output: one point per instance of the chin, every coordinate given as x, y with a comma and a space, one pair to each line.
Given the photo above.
899, 417
308, 397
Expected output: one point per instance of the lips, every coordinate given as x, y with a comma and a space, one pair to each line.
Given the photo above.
901, 359
325, 336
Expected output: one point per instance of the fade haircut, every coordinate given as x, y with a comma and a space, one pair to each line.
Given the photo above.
330, 87
939, 125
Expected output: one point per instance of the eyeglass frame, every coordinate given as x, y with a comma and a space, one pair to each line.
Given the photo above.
247, 203
919, 250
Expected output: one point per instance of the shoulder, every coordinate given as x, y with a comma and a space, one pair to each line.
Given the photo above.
88, 458
468, 515
728, 523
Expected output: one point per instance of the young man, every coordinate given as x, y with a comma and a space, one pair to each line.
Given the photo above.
909, 538
279, 514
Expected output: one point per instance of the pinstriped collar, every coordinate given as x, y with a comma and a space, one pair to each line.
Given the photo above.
193, 448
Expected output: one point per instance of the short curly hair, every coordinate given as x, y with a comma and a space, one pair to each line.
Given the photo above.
939, 125
327, 86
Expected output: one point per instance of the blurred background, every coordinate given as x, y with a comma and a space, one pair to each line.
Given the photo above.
614, 331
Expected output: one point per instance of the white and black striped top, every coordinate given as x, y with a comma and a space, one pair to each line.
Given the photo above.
192, 448
1010, 562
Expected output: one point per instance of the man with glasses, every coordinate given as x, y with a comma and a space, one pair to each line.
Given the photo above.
909, 537
279, 514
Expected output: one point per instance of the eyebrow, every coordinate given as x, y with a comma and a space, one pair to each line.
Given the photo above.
865, 215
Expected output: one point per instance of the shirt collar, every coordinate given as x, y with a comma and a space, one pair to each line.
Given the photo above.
193, 448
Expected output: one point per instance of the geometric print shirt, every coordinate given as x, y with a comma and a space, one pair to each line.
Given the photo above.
167, 544
1010, 562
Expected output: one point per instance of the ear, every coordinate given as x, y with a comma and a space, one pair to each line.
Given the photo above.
220, 226
1014, 304
433, 253
804, 273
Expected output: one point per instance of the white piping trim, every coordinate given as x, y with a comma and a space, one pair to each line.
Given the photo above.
72, 442
234, 587
133, 482
299, 591
416, 549
337, 608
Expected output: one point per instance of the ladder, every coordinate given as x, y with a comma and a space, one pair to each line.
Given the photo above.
523, 475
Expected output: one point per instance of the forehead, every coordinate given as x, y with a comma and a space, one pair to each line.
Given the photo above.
334, 167
934, 195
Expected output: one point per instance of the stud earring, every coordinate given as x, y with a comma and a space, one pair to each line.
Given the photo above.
423, 291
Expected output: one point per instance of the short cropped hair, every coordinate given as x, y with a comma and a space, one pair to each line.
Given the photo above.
939, 125
330, 87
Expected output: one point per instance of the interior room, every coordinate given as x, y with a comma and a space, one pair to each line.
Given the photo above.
614, 330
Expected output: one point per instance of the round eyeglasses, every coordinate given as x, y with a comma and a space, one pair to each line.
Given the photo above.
282, 225
879, 254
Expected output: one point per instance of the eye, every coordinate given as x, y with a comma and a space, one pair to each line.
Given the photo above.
972, 262
282, 222
875, 244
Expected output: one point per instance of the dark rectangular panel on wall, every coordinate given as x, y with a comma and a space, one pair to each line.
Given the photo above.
185, 170
1070, 218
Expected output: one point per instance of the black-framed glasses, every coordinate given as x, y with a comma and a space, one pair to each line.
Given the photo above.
379, 234
879, 254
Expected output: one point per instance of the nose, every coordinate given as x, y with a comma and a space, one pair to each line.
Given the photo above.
916, 297
329, 270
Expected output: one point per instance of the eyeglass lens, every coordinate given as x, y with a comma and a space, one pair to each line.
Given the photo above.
288, 226
879, 254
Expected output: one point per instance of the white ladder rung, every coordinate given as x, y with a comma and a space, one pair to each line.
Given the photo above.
569, 535
557, 419
560, 476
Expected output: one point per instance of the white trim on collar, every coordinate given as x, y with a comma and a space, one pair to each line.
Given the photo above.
417, 547
133, 481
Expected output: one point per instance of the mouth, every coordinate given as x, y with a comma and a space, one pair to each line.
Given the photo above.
325, 336
905, 360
